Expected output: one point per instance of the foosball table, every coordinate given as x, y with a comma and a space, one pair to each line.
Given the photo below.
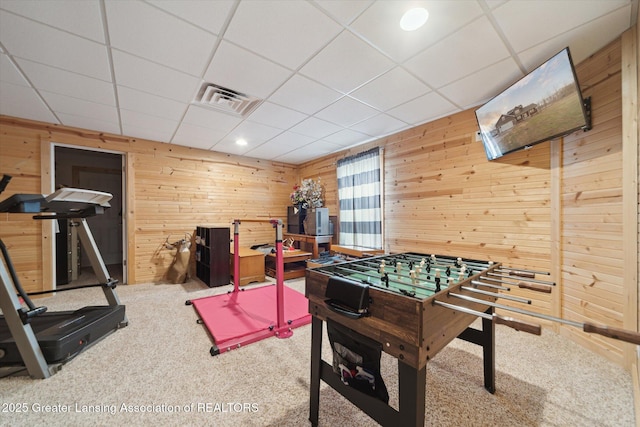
410, 306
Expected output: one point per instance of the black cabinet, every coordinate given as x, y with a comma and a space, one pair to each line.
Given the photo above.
212, 255
295, 219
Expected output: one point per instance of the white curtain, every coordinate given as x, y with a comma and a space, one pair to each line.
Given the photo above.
359, 194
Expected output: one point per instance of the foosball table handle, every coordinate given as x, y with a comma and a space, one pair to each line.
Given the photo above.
535, 287
619, 334
518, 325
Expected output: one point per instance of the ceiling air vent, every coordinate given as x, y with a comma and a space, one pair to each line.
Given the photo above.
227, 100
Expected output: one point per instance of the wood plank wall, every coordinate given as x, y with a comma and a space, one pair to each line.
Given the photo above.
443, 196
172, 189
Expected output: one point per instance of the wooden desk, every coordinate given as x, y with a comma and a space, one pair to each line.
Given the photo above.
356, 251
311, 243
295, 264
251, 266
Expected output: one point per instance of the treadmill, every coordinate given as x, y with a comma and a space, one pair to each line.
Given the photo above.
31, 338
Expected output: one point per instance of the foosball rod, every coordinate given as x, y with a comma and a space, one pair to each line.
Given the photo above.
497, 295
490, 285
516, 324
397, 291
524, 285
542, 282
523, 271
607, 331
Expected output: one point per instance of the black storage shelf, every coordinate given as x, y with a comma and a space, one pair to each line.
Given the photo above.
212, 255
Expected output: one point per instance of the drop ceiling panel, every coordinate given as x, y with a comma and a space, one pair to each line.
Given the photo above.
308, 152
464, 52
211, 119
274, 115
254, 133
344, 11
131, 99
146, 76
522, 21
346, 63
67, 83
380, 24
347, 137
381, 124
242, 71
37, 42
346, 112
21, 101
391, 89
305, 95
289, 31
281, 144
316, 128
429, 105
85, 122
9, 73
191, 135
482, 85
78, 17
208, 15
79, 107
145, 126
143, 30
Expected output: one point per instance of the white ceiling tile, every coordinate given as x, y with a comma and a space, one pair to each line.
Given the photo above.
139, 74
242, 71
346, 63
483, 85
68, 83
315, 128
308, 152
231, 147
143, 102
347, 137
380, 24
145, 31
424, 109
90, 123
281, 144
472, 48
208, 15
191, 135
344, 11
276, 116
581, 41
303, 94
346, 112
27, 39
82, 18
289, 32
9, 73
392, 88
22, 101
253, 133
79, 107
211, 119
522, 21
379, 125
145, 126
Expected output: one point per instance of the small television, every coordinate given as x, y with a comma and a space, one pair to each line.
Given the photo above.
316, 222
545, 104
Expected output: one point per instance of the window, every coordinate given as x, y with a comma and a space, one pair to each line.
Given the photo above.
360, 198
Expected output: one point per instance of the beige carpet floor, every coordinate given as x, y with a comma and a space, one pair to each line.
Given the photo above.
158, 371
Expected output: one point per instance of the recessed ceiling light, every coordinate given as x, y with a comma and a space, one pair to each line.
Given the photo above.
241, 142
414, 19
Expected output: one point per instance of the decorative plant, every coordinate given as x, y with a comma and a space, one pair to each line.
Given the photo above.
308, 194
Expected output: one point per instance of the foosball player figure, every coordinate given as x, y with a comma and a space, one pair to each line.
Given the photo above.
437, 280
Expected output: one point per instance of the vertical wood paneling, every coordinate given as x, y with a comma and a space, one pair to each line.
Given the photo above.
171, 189
593, 252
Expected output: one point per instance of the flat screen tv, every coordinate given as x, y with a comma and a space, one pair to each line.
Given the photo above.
543, 105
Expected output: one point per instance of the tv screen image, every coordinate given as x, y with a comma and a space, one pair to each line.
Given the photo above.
545, 104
